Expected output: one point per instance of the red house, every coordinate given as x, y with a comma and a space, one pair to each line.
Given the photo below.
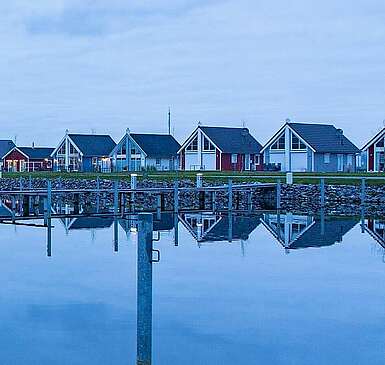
373, 153
221, 149
20, 159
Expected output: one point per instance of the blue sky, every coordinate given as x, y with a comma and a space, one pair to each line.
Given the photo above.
105, 66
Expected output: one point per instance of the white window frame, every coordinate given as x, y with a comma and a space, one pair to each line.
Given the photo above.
234, 156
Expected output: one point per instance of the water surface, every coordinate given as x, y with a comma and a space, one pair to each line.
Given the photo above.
286, 289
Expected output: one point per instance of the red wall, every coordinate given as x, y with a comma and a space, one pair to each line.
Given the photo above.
14, 156
218, 160
17, 156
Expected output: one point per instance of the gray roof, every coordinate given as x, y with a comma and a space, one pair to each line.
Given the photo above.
5, 146
334, 229
232, 140
93, 145
38, 153
157, 145
324, 138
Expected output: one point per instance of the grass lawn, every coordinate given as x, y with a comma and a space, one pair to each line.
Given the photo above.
299, 178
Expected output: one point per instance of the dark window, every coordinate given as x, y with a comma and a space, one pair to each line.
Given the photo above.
279, 144
297, 144
193, 146
207, 145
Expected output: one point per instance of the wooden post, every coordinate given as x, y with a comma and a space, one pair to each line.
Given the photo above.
144, 290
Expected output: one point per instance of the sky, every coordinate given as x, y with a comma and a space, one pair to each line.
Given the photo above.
105, 66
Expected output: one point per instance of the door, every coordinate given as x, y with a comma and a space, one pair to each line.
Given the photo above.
340, 163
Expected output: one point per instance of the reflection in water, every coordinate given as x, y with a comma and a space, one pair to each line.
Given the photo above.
295, 231
211, 227
144, 290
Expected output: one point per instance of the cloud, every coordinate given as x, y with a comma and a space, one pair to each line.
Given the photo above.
109, 65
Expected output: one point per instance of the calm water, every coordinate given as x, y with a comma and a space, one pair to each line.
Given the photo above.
288, 289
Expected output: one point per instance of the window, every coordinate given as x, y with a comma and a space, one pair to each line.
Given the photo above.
234, 158
279, 144
158, 161
207, 145
72, 149
327, 158
296, 143
193, 146
350, 160
133, 151
62, 149
257, 157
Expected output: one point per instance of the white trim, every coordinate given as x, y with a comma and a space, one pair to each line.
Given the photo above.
374, 139
13, 149
272, 139
192, 135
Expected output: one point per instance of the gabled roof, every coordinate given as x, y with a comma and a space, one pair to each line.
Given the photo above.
321, 138
232, 140
5, 146
374, 139
38, 153
157, 145
324, 138
90, 145
335, 229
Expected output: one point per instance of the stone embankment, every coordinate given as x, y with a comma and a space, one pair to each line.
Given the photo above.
339, 199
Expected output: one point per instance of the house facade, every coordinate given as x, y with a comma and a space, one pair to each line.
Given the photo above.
136, 152
221, 149
309, 147
28, 159
5, 146
83, 152
372, 157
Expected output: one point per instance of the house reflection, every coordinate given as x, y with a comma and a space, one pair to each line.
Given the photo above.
376, 228
211, 227
294, 231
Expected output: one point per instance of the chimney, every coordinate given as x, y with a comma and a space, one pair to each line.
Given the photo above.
340, 134
33, 144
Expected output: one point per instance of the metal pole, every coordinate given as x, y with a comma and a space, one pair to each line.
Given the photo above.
176, 230
49, 198
250, 200
363, 191
49, 237
230, 232
116, 198
116, 235
230, 193
278, 194
322, 188
97, 195
144, 290
176, 197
